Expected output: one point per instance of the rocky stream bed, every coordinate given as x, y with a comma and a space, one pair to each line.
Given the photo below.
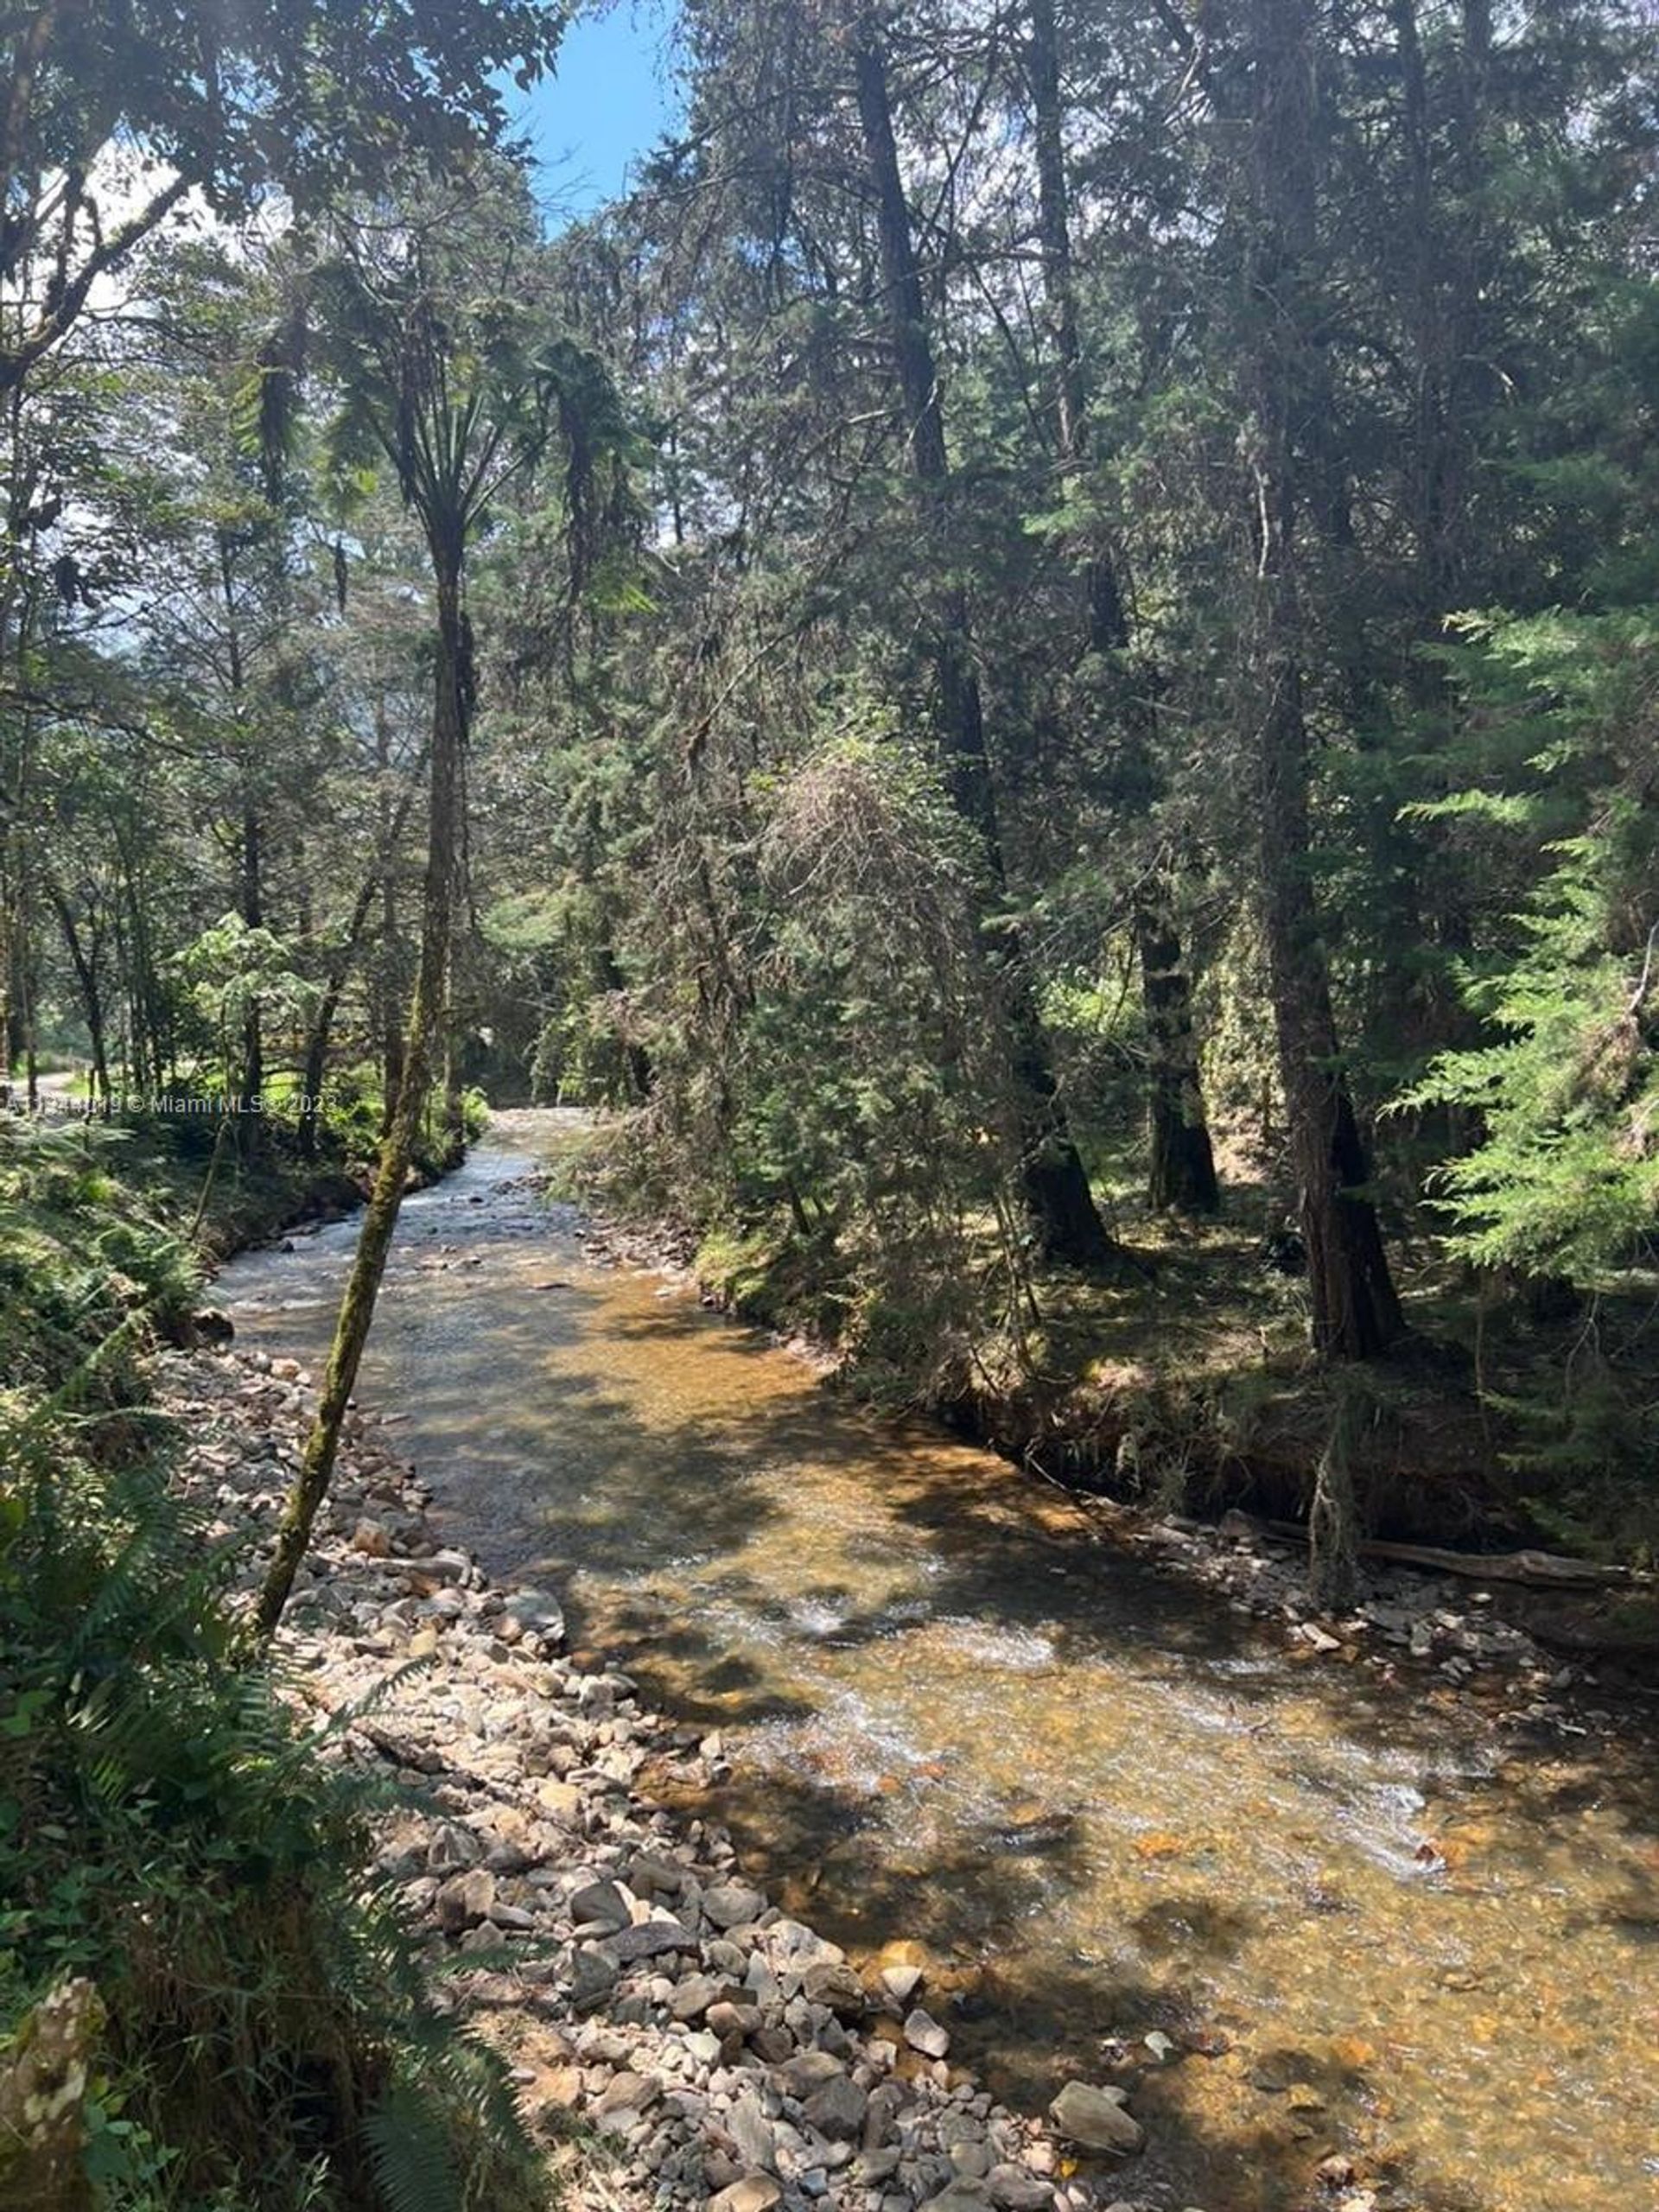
680, 2040
1350, 1910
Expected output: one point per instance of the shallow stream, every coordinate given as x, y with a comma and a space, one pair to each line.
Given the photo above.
1368, 1920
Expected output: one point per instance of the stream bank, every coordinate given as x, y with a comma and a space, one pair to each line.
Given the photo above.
1459, 1623
1176, 1467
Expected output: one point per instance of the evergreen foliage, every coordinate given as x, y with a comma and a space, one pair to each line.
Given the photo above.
1034, 663
1563, 1177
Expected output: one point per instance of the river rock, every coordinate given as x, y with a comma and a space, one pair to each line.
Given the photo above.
753, 2193
809, 2070
924, 2033
830, 1981
886, 2103
651, 1939
627, 2091
1095, 2118
561, 1801
593, 1978
465, 1899
651, 1875
751, 2131
692, 1996
535, 1611
732, 1905
600, 1901
513, 1918
793, 1945
508, 1859
959, 2195
901, 1982
453, 1848
1321, 1639
1015, 2190
837, 2109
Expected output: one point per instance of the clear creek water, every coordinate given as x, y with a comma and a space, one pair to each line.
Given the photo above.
1369, 1919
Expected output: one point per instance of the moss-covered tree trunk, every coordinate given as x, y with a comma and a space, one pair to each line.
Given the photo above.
45, 2073
398, 1145
383, 994
455, 1112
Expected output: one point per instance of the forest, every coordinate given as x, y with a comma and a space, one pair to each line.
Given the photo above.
1031, 670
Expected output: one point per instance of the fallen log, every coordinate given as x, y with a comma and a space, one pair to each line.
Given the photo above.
1534, 1569
1538, 1570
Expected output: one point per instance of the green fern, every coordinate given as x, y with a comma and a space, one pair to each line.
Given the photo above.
409, 2148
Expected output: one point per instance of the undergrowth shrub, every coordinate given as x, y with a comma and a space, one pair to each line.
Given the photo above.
177, 1856
1583, 1455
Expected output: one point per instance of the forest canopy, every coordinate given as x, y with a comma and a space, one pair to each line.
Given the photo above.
1047, 630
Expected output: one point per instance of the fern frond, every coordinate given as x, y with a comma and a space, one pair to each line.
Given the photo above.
410, 2151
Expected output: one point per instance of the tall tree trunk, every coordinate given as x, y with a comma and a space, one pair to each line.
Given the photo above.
28, 1040
391, 1033
250, 893
9, 1039
84, 958
1182, 1168
398, 1148
1355, 1310
1183, 1165
316, 1071
454, 1119
253, 913
1059, 1202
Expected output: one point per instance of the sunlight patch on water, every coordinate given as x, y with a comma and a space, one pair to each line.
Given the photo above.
813, 1617
849, 1742
1019, 1650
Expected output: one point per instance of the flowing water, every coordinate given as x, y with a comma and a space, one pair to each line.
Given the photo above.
1367, 1920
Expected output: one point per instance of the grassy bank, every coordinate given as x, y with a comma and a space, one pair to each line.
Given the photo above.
221, 1184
